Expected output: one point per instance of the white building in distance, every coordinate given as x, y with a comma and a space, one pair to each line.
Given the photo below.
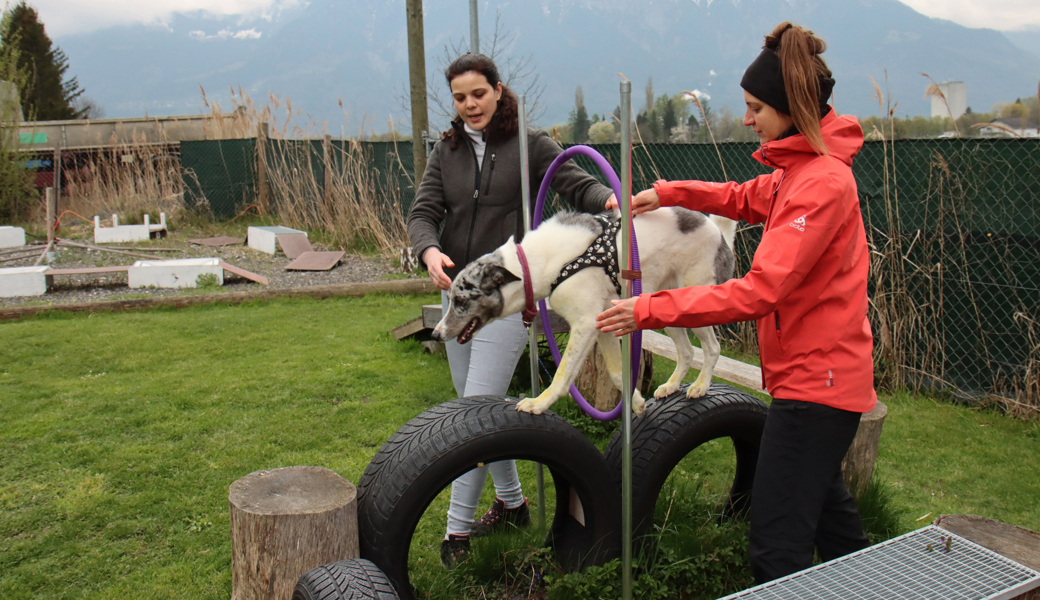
956, 94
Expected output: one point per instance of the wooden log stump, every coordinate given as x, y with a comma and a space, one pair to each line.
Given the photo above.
285, 522
594, 382
858, 464
1019, 544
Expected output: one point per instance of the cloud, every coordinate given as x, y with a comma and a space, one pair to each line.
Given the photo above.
1002, 15
227, 34
67, 17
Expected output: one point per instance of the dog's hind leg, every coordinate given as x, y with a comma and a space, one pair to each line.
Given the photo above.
580, 343
712, 349
610, 347
684, 353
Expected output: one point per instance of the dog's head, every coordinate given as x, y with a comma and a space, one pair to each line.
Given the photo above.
475, 298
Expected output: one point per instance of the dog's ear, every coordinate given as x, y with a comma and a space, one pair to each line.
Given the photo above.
499, 276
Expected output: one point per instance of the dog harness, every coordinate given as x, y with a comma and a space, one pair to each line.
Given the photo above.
602, 253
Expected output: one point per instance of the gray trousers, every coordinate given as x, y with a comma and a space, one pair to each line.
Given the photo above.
484, 366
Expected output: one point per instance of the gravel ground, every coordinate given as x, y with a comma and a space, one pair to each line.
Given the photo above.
74, 289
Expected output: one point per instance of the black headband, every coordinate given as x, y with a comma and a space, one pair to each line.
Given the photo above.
764, 80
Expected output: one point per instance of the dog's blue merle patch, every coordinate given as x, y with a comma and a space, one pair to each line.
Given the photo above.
602, 253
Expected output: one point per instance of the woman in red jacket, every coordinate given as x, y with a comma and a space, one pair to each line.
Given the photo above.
807, 289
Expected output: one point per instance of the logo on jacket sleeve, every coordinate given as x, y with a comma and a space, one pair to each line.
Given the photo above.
799, 223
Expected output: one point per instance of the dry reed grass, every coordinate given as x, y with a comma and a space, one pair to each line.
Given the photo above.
333, 191
129, 180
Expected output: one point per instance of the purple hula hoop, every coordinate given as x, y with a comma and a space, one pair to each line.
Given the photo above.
637, 285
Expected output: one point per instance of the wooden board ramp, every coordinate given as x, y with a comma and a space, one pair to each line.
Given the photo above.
315, 261
218, 241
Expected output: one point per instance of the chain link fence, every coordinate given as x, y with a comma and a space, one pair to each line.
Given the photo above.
953, 225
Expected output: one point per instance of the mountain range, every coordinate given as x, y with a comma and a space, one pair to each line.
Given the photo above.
322, 53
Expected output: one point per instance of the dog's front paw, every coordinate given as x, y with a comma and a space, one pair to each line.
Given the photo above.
698, 388
535, 406
638, 404
666, 389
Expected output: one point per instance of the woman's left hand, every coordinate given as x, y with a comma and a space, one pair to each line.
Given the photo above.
621, 318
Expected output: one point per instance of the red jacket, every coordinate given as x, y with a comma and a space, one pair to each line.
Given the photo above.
807, 286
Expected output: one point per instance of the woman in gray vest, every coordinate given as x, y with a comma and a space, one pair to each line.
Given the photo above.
471, 194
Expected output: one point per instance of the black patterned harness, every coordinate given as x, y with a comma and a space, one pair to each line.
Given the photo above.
602, 253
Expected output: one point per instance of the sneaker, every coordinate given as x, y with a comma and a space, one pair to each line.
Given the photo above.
498, 516
454, 550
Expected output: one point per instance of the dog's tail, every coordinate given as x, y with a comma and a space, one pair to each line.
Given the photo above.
728, 227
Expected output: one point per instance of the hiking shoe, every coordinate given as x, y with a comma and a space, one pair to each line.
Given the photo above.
498, 516
454, 550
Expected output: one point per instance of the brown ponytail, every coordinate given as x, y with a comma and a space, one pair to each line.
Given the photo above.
803, 70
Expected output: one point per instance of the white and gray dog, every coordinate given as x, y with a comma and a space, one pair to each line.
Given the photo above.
677, 248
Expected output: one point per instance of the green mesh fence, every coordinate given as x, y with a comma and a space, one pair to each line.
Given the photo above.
953, 226
219, 175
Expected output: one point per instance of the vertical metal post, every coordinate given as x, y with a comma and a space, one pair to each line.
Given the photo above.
532, 342
474, 27
57, 173
625, 202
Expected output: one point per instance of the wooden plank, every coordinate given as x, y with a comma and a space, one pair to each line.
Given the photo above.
218, 241
1019, 544
414, 327
88, 270
243, 273
726, 368
294, 244
315, 261
103, 249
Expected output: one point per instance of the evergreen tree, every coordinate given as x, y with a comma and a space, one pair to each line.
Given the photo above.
580, 118
16, 189
46, 94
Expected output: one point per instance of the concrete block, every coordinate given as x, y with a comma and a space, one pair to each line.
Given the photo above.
24, 281
265, 239
11, 237
182, 273
127, 233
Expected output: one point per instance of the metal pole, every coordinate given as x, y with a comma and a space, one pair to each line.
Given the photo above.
626, 343
474, 27
532, 342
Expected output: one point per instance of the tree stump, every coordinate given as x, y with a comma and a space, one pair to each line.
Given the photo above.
594, 382
285, 522
858, 464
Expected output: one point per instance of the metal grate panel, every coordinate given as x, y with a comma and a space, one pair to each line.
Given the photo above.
917, 565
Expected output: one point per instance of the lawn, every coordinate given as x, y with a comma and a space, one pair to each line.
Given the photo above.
120, 433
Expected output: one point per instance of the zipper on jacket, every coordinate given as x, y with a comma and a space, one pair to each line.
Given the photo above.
476, 203
491, 172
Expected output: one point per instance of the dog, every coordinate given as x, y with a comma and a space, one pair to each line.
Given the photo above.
677, 248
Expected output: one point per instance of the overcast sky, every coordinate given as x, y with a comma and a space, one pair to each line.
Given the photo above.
63, 17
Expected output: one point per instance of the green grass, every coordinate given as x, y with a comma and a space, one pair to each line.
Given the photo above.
120, 433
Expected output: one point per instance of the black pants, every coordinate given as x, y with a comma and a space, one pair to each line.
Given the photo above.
799, 501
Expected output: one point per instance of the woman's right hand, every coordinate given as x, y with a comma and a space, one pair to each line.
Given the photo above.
642, 202
436, 261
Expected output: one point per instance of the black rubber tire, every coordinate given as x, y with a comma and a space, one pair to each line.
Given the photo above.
354, 579
673, 427
430, 451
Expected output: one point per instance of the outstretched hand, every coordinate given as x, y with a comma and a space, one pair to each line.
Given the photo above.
620, 319
436, 261
642, 202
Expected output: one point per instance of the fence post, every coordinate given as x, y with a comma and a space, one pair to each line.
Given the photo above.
263, 190
52, 214
57, 172
326, 147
